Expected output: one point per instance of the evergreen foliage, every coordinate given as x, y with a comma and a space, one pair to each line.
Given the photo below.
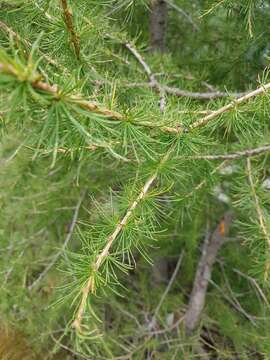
113, 157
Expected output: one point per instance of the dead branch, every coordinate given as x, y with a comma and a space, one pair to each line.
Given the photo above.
183, 13
155, 85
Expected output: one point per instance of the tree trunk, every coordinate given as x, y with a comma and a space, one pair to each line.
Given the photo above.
203, 274
158, 19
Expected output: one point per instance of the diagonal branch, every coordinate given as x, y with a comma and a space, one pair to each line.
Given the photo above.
237, 155
155, 85
183, 13
69, 24
205, 120
90, 284
260, 214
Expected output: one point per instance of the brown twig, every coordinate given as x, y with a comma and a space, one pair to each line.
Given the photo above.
69, 24
183, 13
232, 156
175, 272
260, 215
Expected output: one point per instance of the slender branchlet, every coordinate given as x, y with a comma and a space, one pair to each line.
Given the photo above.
233, 156
56, 93
90, 284
94, 267
206, 119
260, 215
69, 24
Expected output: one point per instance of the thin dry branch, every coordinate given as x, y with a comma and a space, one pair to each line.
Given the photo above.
65, 244
185, 93
155, 85
206, 119
260, 215
233, 156
175, 272
183, 13
69, 23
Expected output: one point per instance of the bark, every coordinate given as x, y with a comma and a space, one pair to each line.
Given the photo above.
158, 19
203, 274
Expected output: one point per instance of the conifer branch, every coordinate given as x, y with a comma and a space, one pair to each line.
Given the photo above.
69, 23
64, 246
90, 284
211, 246
53, 90
205, 120
237, 155
260, 215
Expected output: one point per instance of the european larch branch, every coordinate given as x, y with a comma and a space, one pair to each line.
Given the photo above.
53, 90
90, 284
206, 119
